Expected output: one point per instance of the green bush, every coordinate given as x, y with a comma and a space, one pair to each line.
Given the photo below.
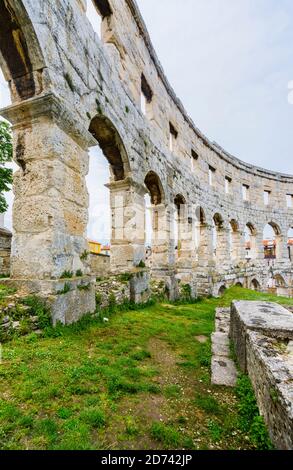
65, 289
66, 275
39, 308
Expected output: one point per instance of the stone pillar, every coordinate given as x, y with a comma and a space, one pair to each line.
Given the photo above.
163, 250
50, 210
186, 261
241, 249
205, 249
128, 225
237, 247
222, 251
257, 248
205, 260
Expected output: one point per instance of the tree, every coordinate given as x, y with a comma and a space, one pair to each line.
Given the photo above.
5, 156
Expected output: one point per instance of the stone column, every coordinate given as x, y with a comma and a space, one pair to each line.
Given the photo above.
163, 250
128, 225
186, 261
237, 248
205, 249
50, 210
222, 251
241, 247
205, 260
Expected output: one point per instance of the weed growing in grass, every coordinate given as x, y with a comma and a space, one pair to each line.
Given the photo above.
165, 434
172, 391
207, 403
94, 417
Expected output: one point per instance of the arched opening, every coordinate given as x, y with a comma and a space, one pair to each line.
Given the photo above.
250, 241
179, 220
290, 243
112, 146
94, 17
154, 220
271, 241
5, 100
20, 59
238, 284
222, 291
154, 187
255, 285
279, 280
234, 239
217, 227
279, 285
202, 237
199, 223
106, 222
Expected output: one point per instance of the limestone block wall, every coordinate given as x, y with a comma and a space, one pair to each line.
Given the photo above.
72, 90
262, 333
100, 264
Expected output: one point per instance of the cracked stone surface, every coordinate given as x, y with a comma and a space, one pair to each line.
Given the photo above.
224, 371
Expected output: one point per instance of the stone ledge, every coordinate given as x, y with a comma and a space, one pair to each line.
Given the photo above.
267, 318
262, 334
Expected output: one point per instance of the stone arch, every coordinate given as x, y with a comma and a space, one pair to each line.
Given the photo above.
279, 280
217, 232
199, 226
250, 233
234, 239
158, 255
180, 227
272, 238
218, 220
255, 285
222, 290
21, 59
238, 284
108, 138
154, 187
179, 201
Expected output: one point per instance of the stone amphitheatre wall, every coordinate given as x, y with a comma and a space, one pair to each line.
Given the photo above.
72, 90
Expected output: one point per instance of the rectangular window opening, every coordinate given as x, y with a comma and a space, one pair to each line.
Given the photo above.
146, 95
289, 199
266, 197
173, 134
228, 182
212, 172
245, 192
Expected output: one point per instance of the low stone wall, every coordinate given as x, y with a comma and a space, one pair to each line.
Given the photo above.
5, 250
120, 288
262, 333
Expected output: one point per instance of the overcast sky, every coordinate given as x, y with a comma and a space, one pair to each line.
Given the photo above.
230, 62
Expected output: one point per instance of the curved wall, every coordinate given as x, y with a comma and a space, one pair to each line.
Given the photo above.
82, 77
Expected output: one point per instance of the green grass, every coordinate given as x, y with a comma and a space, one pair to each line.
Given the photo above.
95, 385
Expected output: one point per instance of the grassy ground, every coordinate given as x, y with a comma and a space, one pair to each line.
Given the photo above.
139, 381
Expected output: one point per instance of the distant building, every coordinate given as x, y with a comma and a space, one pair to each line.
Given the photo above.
270, 248
94, 247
